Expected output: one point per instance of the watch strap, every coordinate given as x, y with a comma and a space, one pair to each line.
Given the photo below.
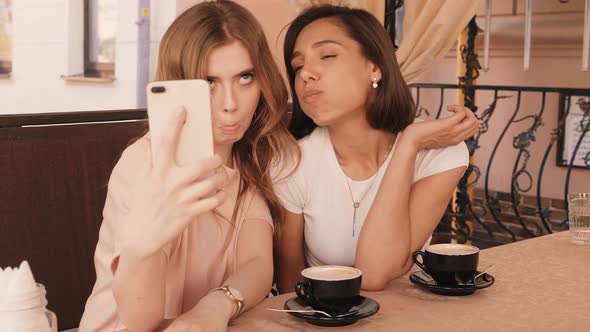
239, 303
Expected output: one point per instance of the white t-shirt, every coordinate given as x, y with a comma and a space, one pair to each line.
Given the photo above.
321, 191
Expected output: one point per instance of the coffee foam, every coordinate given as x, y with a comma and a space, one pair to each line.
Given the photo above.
452, 249
331, 273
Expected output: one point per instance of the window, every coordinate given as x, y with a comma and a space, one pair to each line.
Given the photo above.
100, 27
5, 36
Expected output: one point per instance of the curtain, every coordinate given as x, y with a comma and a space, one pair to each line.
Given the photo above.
430, 28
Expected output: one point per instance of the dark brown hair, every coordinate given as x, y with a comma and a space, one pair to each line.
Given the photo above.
184, 51
392, 109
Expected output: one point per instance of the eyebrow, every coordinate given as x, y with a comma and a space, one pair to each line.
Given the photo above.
316, 45
242, 73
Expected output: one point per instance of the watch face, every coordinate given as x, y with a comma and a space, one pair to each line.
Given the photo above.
236, 293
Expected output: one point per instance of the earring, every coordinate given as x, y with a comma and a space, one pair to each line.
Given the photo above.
375, 84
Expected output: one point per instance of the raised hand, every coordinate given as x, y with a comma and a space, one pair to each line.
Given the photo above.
440, 133
168, 197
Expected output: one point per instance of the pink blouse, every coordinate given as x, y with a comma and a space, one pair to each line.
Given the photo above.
200, 259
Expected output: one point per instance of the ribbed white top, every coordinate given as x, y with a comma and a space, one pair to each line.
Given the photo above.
319, 190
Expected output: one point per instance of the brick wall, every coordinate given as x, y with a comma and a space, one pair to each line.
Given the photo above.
526, 211
501, 202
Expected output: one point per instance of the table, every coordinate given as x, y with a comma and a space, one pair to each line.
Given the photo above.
542, 284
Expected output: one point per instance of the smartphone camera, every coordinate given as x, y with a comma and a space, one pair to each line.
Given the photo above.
158, 89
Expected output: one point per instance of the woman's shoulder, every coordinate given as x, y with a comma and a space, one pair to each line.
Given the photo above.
318, 136
132, 159
314, 146
434, 161
257, 207
289, 165
450, 153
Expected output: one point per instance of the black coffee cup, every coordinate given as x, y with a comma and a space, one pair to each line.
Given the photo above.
448, 263
330, 288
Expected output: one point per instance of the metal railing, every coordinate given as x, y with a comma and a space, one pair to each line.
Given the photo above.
522, 178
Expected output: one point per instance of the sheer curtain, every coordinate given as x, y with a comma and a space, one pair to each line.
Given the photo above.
430, 28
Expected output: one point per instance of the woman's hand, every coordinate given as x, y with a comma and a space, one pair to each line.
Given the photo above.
203, 323
440, 133
167, 196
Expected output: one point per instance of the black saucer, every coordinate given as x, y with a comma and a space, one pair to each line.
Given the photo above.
364, 308
424, 280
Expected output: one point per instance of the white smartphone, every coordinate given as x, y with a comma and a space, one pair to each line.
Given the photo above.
164, 98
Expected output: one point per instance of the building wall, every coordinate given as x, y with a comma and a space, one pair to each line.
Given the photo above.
48, 43
275, 15
556, 58
556, 61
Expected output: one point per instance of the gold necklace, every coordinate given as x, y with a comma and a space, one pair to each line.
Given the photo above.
357, 204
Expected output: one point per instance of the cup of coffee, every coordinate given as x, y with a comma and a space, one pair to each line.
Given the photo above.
330, 288
448, 263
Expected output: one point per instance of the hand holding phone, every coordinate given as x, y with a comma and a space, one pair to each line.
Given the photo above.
196, 137
180, 183
169, 197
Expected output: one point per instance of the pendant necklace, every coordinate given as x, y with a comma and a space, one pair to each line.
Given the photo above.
356, 204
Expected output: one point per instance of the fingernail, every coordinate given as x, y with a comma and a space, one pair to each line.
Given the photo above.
180, 112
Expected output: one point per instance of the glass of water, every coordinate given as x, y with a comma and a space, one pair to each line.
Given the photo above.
579, 217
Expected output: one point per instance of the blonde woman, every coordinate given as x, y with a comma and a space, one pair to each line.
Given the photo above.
181, 247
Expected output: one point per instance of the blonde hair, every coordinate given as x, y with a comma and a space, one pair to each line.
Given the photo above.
184, 51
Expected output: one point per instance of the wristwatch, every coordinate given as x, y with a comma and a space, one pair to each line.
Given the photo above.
233, 295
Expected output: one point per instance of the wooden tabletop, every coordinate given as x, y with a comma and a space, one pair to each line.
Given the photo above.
542, 284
